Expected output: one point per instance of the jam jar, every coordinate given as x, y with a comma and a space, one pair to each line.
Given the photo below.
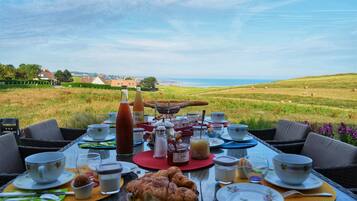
178, 154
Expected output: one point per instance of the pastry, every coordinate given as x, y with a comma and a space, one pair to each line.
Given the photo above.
164, 185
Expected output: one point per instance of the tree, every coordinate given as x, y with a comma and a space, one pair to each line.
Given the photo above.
7, 72
149, 83
64, 76
29, 71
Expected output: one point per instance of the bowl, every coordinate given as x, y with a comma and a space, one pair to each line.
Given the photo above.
82, 192
292, 169
45, 167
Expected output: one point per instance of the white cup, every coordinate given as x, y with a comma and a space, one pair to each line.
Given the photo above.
45, 167
217, 116
237, 131
98, 131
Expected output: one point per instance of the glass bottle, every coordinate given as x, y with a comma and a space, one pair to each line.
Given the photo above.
124, 126
160, 149
138, 108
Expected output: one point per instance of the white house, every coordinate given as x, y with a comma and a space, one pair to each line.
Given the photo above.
98, 80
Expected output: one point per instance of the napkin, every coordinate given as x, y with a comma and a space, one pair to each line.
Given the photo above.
97, 145
239, 145
36, 198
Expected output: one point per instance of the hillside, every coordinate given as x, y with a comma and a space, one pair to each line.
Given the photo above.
287, 99
345, 81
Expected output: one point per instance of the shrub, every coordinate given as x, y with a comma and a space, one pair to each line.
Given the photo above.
83, 119
254, 123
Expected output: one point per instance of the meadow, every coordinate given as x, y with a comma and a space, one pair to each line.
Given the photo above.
320, 100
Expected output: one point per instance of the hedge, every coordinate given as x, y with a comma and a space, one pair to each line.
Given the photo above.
5, 84
96, 86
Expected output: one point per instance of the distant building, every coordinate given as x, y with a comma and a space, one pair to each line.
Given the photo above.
86, 79
128, 83
99, 80
45, 74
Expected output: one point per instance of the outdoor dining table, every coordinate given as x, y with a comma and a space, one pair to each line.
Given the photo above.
204, 178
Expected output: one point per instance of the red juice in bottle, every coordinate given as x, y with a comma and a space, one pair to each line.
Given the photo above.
124, 126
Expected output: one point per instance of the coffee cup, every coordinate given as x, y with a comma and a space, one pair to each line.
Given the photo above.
237, 131
98, 131
292, 169
45, 167
217, 116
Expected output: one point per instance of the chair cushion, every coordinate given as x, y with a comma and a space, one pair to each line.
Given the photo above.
46, 130
10, 158
327, 152
289, 130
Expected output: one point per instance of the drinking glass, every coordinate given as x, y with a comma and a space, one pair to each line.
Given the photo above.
87, 163
256, 168
217, 130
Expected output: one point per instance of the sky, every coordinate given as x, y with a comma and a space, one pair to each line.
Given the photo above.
270, 39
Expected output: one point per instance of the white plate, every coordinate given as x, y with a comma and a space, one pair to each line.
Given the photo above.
215, 142
25, 182
248, 192
311, 182
89, 139
226, 136
127, 167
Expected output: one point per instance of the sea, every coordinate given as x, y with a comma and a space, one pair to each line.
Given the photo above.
211, 82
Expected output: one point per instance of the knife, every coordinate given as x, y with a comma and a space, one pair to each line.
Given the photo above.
22, 194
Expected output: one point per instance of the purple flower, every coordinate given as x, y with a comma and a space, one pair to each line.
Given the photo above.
354, 135
342, 129
326, 130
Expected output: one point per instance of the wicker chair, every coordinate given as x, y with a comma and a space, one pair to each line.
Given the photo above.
12, 157
284, 133
334, 159
48, 134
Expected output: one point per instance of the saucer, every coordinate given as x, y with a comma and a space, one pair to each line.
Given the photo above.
127, 167
248, 191
226, 136
25, 181
89, 139
215, 142
311, 182
109, 122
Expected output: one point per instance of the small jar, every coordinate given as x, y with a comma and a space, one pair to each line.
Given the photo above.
138, 135
225, 169
109, 178
178, 154
200, 147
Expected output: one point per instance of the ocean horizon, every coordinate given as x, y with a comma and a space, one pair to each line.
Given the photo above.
211, 82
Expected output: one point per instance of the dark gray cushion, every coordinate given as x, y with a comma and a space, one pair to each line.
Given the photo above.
46, 130
10, 158
289, 130
327, 152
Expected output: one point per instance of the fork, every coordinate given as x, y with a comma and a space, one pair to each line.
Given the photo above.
300, 194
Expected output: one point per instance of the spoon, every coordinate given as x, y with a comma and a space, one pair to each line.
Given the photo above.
300, 194
50, 197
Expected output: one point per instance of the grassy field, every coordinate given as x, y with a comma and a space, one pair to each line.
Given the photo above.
320, 99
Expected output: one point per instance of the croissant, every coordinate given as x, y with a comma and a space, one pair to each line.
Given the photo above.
165, 185
182, 181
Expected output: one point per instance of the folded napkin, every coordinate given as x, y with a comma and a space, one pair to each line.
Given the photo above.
239, 145
97, 145
37, 197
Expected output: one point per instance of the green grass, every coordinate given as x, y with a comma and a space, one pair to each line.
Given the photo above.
258, 106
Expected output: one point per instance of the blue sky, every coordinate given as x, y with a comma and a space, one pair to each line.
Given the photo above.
188, 38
